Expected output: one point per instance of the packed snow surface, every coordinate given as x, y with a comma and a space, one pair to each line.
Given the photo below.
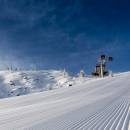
89, 104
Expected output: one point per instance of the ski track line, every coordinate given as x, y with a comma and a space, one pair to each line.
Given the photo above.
82, 122
121, 119
126, 121
67, 127
109, 121
110, 117
91, 118
95, 117
115, 116
103, 116
63, 124
116, 120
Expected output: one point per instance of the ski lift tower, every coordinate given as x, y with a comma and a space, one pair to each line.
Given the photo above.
102, 60
100, 67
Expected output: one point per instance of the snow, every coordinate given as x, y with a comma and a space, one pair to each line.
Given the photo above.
16, 83
89, 104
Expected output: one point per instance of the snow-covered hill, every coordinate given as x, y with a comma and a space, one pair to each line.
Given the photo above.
90, 104
15, 83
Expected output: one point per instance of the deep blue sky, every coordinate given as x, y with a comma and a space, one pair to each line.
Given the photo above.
71, 34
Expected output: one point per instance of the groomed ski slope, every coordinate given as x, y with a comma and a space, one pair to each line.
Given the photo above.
96, 104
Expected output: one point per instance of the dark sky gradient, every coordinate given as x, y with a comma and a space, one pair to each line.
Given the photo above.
71, 34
